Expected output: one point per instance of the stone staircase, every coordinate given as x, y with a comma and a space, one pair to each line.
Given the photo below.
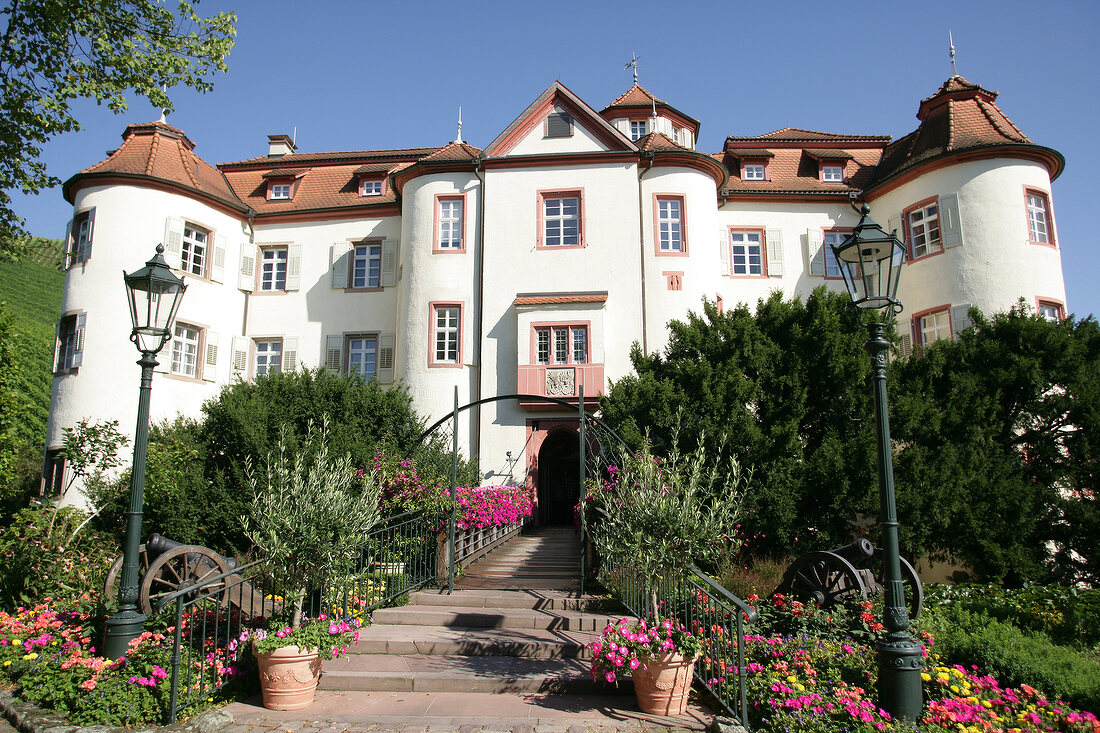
514, 624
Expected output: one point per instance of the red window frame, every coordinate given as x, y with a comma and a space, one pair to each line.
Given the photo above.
906, 224
1045, 197
540, 217
436, 218
433, 310
681, 199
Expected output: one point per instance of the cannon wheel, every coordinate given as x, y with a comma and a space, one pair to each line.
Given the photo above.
914, 590
114, 575
824, 578
179, 568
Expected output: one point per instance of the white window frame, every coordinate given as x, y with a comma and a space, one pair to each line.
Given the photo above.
184, 356
1052, 311
272, 357
272, 277
195, 250
358, 357
638, 129
567, 224
832, 174
446, 334
753, 172
924, 224
363, 255
81, 238
1038, 218
670, 225
936, 329
69, 347
740, 239
828, 240
370, 187
279, 192
449, 233
558, 344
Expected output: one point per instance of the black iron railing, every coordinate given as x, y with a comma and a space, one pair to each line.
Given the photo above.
707, 610
214, 620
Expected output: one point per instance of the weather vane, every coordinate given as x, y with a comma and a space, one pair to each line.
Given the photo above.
951, 40
633, 65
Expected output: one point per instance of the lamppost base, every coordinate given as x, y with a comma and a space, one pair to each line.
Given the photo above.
118, 630
899, 684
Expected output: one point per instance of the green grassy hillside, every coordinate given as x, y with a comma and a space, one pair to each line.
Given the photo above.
30, 303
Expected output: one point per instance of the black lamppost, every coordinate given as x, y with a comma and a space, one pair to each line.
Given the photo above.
870, 262
154, 295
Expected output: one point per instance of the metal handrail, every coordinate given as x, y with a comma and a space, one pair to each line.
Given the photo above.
707, 609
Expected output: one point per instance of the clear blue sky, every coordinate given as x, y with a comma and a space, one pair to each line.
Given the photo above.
366, 74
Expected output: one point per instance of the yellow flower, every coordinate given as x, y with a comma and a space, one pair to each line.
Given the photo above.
791, 678
955, 689
926, 677
32, 655
7, 662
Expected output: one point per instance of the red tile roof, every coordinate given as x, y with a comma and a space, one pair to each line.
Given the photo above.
744, 153
793, 171
635, 96
163, 153
454, 151
556, 298
658, 141
829, 154
348, 155
960, 116
794, 134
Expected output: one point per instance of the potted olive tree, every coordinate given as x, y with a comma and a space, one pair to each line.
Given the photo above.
651, 519
310, 518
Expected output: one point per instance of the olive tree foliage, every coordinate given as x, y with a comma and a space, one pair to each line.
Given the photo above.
55, 52
309, 513
656, 517
788, 385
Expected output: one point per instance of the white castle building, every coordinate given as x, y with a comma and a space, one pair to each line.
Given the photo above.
532, 265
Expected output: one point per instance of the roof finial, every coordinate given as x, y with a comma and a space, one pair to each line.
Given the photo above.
163, 112
458, 137
954, 69
633, 65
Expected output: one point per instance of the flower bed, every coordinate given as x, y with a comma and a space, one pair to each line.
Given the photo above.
824, 681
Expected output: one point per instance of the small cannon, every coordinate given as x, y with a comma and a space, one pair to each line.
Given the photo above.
165, 566
827, 577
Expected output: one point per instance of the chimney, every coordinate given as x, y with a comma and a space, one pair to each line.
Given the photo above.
280, 145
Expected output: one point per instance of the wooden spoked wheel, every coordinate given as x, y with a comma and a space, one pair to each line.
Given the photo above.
179, 568
914, 591
114, 576
823, 578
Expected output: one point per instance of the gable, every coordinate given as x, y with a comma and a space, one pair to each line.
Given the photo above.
539, 130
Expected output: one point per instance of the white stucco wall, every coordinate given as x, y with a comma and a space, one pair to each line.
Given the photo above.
995, 265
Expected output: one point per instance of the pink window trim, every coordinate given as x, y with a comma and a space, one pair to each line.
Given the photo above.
371, 177
838, 230
540, 230
439, 197
910, 259
432, 306
1032, 191
532, 357
1061, 306
915, 331
763, 252
718, 303
683, 252
674, 280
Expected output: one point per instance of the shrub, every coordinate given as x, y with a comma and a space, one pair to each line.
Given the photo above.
44, 553
1015, 657
758, 576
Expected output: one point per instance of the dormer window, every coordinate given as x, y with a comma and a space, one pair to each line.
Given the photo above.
279, 191
559, 124
283, 183
832, 174
752, 172
370, 187
638, 129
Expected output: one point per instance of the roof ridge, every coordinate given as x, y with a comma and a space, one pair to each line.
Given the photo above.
997, 125
154, 148
188, 165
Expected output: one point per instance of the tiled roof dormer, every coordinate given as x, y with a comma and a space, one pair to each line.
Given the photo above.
960, 117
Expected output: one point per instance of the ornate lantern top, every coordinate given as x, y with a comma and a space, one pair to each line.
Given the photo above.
870, 262
154, 293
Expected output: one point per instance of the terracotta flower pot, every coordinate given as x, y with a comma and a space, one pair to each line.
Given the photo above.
288, 677
663, 684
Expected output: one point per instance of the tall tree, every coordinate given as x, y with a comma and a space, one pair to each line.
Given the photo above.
54, 52
788, 386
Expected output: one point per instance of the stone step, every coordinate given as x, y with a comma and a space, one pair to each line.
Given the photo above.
537, 599
475, 642
423, 673
501, 618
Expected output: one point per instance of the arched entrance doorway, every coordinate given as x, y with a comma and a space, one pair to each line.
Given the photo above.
558, 477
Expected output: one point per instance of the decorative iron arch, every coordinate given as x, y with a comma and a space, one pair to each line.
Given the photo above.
583, 421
